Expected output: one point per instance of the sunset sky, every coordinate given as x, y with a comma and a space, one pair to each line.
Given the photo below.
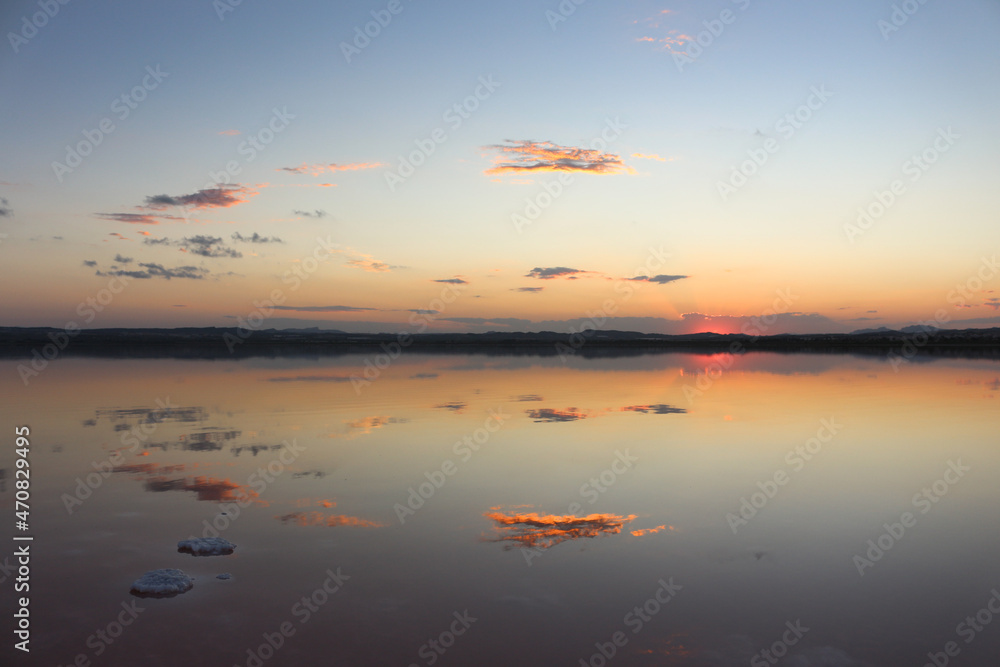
665, 167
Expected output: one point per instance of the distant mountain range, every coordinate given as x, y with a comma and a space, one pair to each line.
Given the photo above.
221, 342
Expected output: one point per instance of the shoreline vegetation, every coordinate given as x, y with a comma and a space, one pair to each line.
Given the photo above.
231, 342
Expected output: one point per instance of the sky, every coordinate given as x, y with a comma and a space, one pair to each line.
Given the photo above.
667, 167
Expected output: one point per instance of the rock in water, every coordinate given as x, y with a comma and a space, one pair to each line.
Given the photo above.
224, 575
162, 584
206, 546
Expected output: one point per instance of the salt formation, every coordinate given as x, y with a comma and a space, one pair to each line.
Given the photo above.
206, 546
162, 583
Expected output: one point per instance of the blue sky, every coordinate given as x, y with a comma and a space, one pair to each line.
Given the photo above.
606, 63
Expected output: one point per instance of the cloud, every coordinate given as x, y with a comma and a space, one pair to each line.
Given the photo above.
532, 530
229, 133
136, 218
486, 321
119, 236
210, 489
255, 238
159, 271
122, 260
223, 196
660, 279
993, 303
674, 41
324, 309
202, 245
366, 262
527, 156
551, 415
455, 406
527, 289
330, 521
453, 281
553, 272
89, 262
318, 213
317, 169
656, 409
5, 210
312, 378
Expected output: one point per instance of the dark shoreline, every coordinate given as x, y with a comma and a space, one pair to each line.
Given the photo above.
228, 343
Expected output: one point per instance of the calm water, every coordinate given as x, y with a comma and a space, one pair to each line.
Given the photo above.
516, 511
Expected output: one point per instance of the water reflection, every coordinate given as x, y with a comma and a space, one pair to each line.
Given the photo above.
153, 452
536, 531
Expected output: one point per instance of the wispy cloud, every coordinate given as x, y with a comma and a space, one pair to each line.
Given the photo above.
203, 245
159, 271
453, 281
255, 238
325, 309
661, 279
329, 520
223, 196
137, 218
318, 213
554, 272
230, 133
364, 261
526, 156
318, 169
527, 289
312, 378
122, 260
5, 210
